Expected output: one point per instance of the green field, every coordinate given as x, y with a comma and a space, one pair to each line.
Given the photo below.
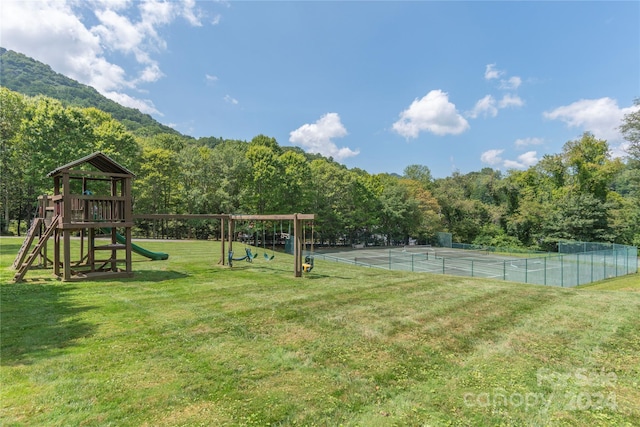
188, 342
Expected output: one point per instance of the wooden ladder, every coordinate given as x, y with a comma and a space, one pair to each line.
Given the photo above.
24, 266
26, 244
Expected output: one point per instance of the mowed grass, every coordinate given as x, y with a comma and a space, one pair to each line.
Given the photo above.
189, 342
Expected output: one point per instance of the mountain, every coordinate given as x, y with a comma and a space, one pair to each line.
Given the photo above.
30, 77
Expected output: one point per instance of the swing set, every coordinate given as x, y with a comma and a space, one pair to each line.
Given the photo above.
273, 244
299, 242
307, 266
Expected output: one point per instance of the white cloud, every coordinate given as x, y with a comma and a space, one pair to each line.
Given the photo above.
491, 73
491, 157
433, 113
58, 33
210, 78
144, 105
190, 13
602, 117
525, 142
511, 83
485, 106
488, 106
510, 101
524, 161
494, 157
230, 100
318, 137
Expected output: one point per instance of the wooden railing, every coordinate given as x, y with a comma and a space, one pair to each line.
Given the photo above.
96, 209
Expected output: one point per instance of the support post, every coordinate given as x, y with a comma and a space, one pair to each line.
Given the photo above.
297, 243
56, 252
222, 244
66, 244
128, 250
91, 255
230, 236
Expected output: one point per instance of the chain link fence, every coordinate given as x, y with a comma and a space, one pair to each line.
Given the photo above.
569, 268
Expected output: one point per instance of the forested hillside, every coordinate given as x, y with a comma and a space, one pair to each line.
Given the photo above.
30, 77
581, 193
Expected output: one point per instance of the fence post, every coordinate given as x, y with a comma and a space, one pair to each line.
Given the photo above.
471, 268
504, 270
526, 270
577, 269
442, 265
545, 270
561, 273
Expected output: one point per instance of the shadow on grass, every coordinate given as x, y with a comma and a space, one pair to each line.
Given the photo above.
36, 321
9, 249
155, 276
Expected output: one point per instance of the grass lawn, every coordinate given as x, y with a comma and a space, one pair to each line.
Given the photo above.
188, 342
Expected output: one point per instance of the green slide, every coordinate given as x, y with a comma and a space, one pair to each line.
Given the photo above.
156, 256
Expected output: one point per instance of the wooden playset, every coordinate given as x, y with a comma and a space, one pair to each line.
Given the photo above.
92, 197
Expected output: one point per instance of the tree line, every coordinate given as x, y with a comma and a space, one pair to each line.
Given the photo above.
582, 193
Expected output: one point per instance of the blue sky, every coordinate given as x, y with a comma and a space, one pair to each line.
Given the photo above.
455, 86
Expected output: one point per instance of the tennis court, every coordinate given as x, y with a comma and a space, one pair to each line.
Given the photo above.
553, 269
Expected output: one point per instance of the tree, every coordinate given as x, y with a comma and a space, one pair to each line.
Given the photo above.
231, 170
592, 168
428, 220
462, 215
12, 112
112, 138
554, 168
326, 195
580, 216
199, 179
419, 173
158, 184
399, 212
630, 129
296, 182
266, 177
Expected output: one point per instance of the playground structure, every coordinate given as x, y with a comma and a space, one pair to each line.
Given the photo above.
92, 197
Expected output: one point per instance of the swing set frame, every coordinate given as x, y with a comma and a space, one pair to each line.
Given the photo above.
298, 233
298, 230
